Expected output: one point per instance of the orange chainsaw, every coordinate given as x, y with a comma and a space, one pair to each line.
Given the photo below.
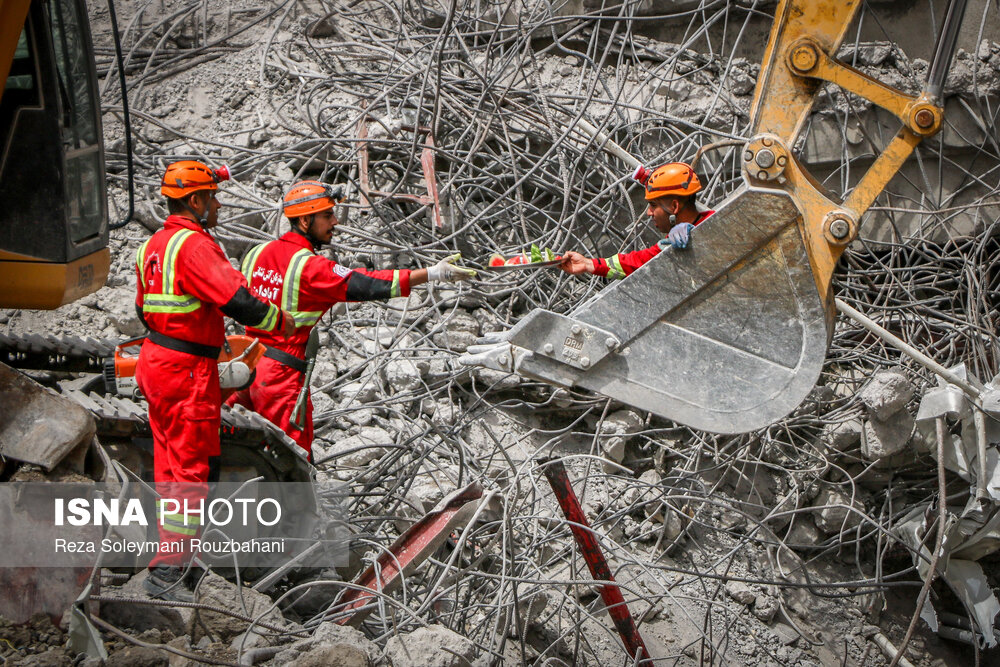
237, 361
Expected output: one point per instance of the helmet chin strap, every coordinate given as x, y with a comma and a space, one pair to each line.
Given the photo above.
202, 218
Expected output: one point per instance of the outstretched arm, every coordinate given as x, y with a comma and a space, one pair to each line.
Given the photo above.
574, 263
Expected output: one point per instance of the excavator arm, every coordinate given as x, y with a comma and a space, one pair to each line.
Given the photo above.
730, 335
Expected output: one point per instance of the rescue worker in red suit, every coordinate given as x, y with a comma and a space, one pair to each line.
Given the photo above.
288, 272
185, 285
672, 205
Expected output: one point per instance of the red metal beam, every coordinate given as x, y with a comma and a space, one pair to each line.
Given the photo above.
426, 165
430, 178
555, 472
408, 551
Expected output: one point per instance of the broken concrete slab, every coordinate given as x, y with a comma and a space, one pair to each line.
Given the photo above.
765, 607
741, 592
456, 341
842, 436
804, 533
621, 422
886, 393
614, 432
138, 656
431, 646
496, 380
365, 390
882, 438
119, 304
363, 447
331, 644
216, 591
141, 617
404, 375
651, 493
835, 510
531, 601
333, 656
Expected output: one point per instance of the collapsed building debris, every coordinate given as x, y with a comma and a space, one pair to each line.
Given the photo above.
804, 543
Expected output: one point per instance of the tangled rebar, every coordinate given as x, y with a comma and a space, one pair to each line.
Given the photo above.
483, 97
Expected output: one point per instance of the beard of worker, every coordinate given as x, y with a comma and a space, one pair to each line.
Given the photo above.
668, 211
317, 227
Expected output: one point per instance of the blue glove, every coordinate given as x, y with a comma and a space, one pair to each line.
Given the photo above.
680, 234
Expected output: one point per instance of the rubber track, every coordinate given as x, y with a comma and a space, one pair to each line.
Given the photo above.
55, 353
118, 415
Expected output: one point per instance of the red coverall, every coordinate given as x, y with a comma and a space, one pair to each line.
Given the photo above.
288, 272
183, 280
619, 266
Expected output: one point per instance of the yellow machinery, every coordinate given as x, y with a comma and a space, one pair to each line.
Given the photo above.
730, 335
53, 207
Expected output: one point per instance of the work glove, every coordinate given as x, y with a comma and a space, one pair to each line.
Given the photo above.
445, 271
680, 234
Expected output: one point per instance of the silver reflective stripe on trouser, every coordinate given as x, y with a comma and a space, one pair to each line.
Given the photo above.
290, 290
169, 301
178, 522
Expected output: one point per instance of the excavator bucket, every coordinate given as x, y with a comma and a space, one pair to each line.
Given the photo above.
730, 334
725, 336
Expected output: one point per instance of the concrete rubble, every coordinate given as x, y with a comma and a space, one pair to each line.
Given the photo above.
771, 548
431, 646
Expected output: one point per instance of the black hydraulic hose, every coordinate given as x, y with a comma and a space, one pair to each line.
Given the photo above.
125, 118
945, 48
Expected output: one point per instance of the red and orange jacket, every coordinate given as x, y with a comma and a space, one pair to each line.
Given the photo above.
289, 273
185, 284
621, 265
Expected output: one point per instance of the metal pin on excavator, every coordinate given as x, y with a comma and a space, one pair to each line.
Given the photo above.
730, 335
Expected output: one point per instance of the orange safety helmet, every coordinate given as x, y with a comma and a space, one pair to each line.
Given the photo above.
673, 178
187, 176
308, 197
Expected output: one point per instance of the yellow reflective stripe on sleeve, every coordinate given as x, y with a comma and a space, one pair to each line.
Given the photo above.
305, 318
395, 291
140, 261
250, 261
270, 321
615, 270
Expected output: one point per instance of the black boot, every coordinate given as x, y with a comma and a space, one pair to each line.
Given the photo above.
168, 583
